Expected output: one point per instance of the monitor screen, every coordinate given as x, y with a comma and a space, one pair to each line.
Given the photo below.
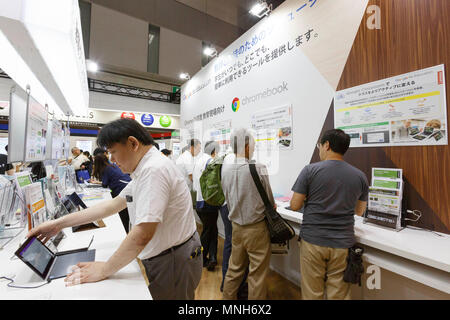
75, 198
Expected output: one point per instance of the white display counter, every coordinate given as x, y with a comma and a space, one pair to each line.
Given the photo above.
415, 264
128, 283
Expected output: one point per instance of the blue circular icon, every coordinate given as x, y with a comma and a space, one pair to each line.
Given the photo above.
147, 119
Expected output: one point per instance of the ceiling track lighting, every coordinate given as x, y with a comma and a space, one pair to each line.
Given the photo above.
185, 76
261, 9
210, 52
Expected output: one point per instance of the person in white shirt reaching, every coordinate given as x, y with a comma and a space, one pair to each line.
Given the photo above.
163, 233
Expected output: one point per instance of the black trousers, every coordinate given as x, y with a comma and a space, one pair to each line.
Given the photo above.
209, 234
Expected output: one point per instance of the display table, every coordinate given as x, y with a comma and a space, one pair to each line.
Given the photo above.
419, 255
128, 283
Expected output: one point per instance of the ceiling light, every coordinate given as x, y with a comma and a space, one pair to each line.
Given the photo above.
91, 66
210, 51
261, 9
47, 37
185, 76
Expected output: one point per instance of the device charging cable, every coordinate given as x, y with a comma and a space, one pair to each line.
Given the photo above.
416, 213
11, 281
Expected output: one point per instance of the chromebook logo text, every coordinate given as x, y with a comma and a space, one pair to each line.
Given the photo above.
283, 87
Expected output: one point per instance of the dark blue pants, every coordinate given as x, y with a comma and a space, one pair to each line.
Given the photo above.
227, 245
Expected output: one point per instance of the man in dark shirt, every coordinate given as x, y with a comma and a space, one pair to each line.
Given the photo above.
332, 192
6, 167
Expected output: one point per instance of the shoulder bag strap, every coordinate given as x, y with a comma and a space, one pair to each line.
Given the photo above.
259, 185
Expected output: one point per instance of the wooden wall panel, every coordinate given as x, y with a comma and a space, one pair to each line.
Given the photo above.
414, 34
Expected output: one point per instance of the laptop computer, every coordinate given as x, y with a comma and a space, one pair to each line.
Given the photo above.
73, 203
49, 265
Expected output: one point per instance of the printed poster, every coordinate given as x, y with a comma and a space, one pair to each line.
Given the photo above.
404, 110
36, 132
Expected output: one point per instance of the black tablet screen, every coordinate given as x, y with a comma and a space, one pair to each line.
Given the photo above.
36, 255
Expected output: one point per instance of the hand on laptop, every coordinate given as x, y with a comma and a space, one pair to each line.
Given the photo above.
85, 272
45, 231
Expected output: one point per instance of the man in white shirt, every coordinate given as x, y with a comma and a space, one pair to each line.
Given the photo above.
186, 162
208, 214
164, 232
78, 159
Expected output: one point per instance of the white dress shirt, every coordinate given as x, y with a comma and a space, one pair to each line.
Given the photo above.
157, 193
78, 161
199, 167
185, 163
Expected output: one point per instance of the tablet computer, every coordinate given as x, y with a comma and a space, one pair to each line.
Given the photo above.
49, 265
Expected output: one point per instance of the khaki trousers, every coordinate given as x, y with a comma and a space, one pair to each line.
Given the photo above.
322, 270
250, 247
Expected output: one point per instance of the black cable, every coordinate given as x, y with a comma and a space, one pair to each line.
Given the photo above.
421, 229
20, 287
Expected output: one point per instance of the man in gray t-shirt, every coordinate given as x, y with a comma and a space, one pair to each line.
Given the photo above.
332, 191
332, 188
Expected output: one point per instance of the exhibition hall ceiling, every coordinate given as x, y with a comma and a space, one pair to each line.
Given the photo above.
234, 12
218, 21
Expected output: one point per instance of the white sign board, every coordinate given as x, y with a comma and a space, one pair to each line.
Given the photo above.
405, 110
36, 137
295, 58
85, 145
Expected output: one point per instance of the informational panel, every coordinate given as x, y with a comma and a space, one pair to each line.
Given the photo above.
274, 128
17, 124
55, 140
273, 132
66, 141
85, 145
176, 150
405, 110
36, 132
220, 132
3, 144
291, 59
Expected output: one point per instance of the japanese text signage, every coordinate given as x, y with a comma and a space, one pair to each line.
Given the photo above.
409, 109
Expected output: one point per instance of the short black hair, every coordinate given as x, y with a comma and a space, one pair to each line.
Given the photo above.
118, 131
339, 141
166, 152
194, 142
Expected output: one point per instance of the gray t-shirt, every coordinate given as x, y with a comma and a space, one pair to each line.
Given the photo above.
332, 188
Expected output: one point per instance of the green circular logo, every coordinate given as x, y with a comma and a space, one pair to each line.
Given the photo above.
165, 121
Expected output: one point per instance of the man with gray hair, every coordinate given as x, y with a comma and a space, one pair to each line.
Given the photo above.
208, 214
78, 159
250, 237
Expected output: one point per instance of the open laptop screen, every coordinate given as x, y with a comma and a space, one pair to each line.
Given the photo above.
37, 256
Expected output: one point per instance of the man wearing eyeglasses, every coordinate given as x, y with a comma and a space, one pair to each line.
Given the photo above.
332, 192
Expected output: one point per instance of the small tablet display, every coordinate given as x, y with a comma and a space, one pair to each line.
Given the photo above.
36, 256
428, 130
412, 131
438, 136
419, 137
75, 198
